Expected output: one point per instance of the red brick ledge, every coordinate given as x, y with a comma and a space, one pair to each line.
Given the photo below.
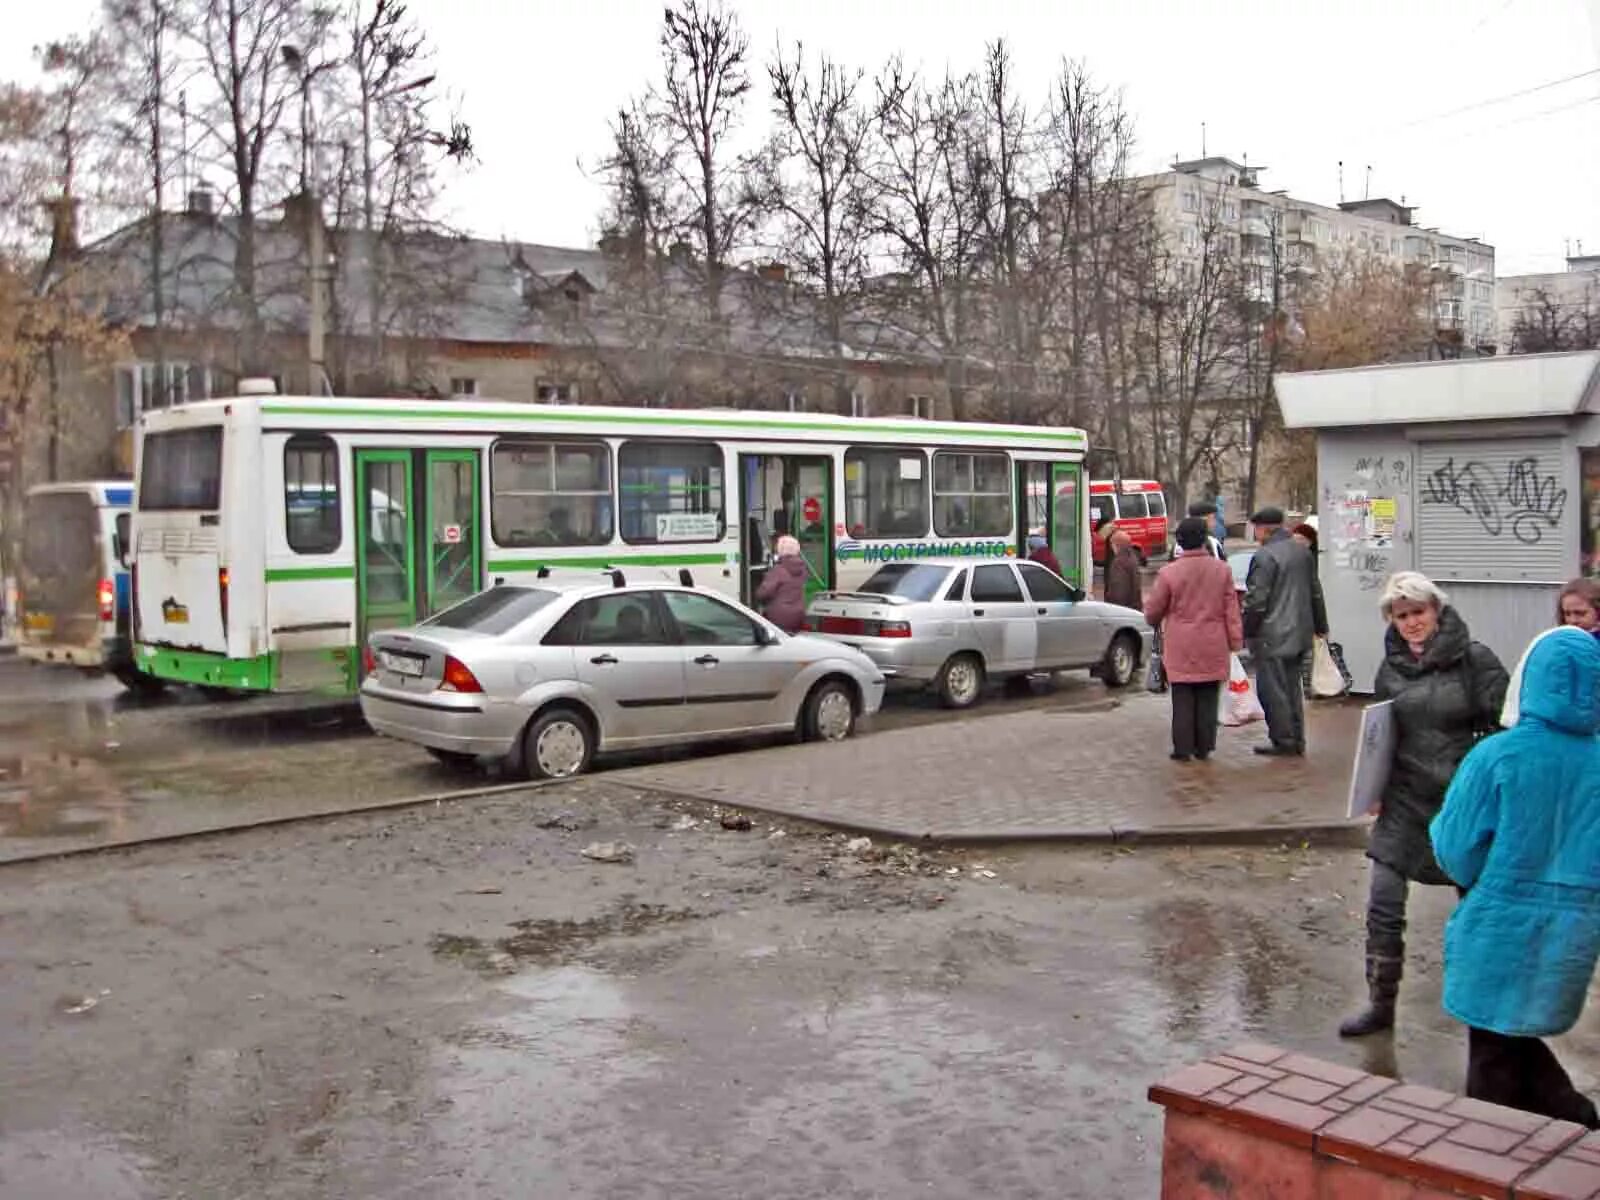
1441, 1144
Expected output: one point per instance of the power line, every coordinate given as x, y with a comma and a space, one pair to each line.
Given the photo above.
1466, 108
1547, 112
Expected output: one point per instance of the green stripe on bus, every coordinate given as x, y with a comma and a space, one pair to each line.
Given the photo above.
631, 560
295, 574
920, 431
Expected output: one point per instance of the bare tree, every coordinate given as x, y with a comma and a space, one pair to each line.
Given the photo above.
926, 213
823, 190
1549, 321
705, 57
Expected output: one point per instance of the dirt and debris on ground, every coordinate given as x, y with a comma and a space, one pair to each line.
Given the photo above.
451, 1001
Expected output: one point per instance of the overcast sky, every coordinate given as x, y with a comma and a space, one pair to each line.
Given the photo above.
1412, 88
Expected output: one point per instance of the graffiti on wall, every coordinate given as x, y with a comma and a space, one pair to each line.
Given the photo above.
1523, 501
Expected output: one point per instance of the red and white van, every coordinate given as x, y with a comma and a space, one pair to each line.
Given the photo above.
1140, 508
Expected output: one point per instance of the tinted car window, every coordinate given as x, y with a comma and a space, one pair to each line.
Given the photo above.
1158, 504
995, 585
493, 611
958, 587
1044, 587
1100, 510
703, 621
1133, 504
910, 580
624, 619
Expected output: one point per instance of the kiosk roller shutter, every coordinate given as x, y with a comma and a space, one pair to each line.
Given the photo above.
1494, 510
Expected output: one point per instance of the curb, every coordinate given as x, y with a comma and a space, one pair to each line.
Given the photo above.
189, 835
1351, 833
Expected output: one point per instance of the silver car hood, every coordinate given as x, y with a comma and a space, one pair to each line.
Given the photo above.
1110, 612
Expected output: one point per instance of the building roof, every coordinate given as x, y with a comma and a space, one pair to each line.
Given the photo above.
1478, 389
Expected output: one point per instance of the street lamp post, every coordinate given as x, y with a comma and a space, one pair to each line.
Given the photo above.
316, 252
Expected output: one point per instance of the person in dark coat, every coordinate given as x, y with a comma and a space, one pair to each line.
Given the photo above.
1039, 551
1196, 607
1283, 613
1207, 513
1520, 833
1447, 691
1124, 584
782, 594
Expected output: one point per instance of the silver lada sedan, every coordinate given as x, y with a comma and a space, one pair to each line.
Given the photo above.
953, 623
548, 676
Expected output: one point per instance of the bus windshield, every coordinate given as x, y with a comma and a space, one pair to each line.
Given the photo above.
181, 470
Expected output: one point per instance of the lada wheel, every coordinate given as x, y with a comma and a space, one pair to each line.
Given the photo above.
1122, 659
961, 681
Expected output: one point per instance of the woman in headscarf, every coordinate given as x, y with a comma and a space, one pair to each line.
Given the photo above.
1447, 690
1520, 834
1196, 606
782, 594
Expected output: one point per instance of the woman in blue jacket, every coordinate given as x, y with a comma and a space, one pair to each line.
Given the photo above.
1520, 832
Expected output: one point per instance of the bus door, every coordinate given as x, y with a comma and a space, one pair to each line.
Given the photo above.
418, 533
1068, 526
785, 494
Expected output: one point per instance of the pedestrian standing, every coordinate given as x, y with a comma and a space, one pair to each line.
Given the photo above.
1124, 579
1520, 833
1196, 607
1207, 513
1039, 551
782, 594
1447, 692
1283, 614
1579, 605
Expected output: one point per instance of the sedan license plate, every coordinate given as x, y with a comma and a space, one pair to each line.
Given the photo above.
401, 664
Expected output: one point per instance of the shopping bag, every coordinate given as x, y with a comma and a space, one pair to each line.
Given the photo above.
1155, 679
1243, 706
1337, 652
1326, 681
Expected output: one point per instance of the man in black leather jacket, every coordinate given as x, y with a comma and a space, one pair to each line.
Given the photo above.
1283, 613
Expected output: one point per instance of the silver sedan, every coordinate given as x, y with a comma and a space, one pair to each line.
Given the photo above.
952, 623
548, 676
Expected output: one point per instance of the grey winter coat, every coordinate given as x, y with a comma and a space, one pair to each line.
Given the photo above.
1283, 607
1442, 703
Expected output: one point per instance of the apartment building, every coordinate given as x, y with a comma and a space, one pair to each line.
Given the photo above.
1272, 231
1549, 310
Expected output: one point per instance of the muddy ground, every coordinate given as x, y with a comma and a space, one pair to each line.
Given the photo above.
453, 1001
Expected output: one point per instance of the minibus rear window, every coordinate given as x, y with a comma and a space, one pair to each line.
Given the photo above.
181, 470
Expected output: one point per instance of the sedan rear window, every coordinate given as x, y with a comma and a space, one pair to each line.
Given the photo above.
910, 580
494, 611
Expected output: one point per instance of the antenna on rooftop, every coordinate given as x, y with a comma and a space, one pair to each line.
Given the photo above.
1366, 192
1202, 139
1341, 181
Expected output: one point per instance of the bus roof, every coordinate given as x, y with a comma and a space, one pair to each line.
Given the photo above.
323, 412
108, 493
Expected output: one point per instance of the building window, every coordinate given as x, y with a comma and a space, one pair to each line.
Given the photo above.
311, 493
670, 492
858, 405
886, 493
546, 392
971, 495
794, 401
463, 385
550, 493
1190, 201
920, 407
137, 390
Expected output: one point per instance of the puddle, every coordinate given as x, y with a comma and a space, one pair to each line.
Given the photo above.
61, 795
546, 940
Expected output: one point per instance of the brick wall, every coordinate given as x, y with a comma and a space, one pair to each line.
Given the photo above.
1261, 1122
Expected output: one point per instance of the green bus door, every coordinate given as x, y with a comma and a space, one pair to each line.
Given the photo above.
418, 532
1067, 520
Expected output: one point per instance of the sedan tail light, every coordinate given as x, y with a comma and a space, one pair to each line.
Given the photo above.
458, 679
861, 627
369, 661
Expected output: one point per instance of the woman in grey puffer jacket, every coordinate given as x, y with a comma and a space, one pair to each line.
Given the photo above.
1447, 691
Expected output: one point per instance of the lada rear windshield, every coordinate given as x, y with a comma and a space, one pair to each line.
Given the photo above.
908, 580
493, 611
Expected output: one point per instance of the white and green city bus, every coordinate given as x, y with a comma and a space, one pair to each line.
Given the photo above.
273, 533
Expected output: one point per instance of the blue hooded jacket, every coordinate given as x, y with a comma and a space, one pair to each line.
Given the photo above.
1520, 829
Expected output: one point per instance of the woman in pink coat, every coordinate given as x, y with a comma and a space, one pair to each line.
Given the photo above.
1197, 610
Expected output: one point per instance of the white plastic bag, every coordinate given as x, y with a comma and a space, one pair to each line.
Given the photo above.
1242, 706
1326, 679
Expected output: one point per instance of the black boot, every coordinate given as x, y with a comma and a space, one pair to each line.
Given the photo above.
1383, 986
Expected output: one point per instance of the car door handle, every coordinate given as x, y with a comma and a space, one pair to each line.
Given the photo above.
1042, 611
707, 660
977, 612
604, 660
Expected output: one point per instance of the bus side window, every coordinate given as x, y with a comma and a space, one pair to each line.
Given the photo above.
311, 494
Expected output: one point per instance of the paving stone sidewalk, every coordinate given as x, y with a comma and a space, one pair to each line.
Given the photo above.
1041, 773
